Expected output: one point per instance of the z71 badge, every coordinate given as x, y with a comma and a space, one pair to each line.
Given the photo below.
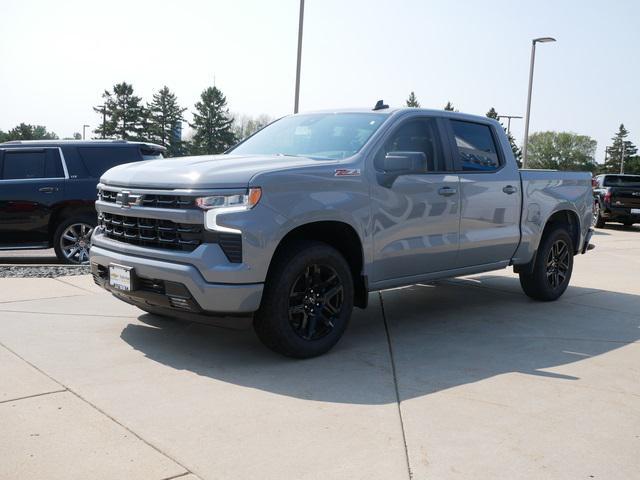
347, 172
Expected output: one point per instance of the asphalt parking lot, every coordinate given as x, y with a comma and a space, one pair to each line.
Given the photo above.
466, 379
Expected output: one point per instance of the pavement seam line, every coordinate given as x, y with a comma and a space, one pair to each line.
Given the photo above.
40, 298
31, 396
395, 384
174, 477
59, 279
66, 313
76, 394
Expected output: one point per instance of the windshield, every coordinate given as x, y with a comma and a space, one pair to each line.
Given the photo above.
317, 135
621, 181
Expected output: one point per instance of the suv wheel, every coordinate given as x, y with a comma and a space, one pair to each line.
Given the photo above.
597, 221
307, 301
552, 267
72, 239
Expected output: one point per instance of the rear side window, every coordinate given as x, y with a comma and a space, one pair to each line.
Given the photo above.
150, 154
24, 165
622, 181
476, 148
100, 159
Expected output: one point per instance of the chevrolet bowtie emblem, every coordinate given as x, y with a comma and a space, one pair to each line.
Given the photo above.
126, 199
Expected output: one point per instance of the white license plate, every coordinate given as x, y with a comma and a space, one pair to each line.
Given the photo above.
120, 277
635, 211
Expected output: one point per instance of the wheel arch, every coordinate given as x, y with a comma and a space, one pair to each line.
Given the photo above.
341, 236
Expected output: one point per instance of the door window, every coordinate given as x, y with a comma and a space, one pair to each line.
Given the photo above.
476, 148
419, 135
24, 165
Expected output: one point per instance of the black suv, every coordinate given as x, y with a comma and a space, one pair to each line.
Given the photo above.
48, 191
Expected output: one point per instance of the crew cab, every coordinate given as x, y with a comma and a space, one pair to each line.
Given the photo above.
298, 223
616, 199
48, 191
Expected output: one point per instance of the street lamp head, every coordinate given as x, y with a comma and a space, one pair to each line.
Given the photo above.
544, 40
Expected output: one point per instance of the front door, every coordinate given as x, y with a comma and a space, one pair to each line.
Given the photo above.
415, 219
31, 184
490, 195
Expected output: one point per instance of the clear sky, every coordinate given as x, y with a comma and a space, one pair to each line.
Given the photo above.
56, 57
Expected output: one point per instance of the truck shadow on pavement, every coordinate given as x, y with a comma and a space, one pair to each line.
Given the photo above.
443, 336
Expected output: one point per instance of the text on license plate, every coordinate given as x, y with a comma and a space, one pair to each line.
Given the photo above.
120, 277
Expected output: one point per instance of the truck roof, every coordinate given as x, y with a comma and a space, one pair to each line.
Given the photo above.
399, 110
82, 143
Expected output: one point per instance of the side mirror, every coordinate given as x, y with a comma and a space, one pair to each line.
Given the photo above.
394, 164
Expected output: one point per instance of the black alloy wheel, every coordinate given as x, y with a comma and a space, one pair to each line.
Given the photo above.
558, 263
315, 301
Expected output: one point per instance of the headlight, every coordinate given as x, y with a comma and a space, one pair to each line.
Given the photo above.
219, 204
248, 200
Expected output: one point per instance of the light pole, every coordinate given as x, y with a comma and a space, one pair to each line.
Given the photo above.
622, 159
508, 117
300, 23
83, 130
528, 114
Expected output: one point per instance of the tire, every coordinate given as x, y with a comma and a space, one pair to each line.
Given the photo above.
598, 221
72, 239
307, 301
552, 267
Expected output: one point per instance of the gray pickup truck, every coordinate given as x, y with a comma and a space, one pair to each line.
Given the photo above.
298, 223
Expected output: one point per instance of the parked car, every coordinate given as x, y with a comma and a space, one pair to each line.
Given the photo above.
48, 191
298, 223
616, 199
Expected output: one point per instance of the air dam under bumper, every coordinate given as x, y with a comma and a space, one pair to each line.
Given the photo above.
163, 284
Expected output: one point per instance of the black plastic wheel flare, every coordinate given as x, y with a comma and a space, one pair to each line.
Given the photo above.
558, 263
315, 301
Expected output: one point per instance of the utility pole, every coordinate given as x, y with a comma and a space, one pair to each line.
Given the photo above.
83, 130
528, 114
622, 159
104, 119
300, 23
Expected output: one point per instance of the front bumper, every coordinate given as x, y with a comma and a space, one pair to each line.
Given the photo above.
175, 286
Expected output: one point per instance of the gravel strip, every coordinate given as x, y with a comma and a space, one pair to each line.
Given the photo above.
43, 271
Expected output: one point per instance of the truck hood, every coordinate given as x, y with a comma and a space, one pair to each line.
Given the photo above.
206, 171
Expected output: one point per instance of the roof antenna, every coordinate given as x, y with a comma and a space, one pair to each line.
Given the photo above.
380, 105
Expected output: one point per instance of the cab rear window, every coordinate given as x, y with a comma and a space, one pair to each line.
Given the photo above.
621, 181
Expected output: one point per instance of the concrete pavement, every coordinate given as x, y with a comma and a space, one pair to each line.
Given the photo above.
467, 379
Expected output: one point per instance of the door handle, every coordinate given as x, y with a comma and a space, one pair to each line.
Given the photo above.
509, 189
447, 191
47, 189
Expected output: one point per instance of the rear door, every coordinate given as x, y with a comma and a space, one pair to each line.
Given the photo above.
32, 182
490, 194
415, 220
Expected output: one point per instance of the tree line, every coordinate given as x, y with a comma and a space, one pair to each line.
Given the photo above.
124, 115
568, 150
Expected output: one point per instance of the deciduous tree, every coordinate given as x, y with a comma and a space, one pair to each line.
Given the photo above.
26, 131
562, 151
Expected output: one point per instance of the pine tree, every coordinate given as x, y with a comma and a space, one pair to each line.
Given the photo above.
162, 120
212, 123
615, 152
492, 113
449, 107
412, 101
124, 114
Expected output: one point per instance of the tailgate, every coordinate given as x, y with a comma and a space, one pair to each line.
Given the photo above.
628, 197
